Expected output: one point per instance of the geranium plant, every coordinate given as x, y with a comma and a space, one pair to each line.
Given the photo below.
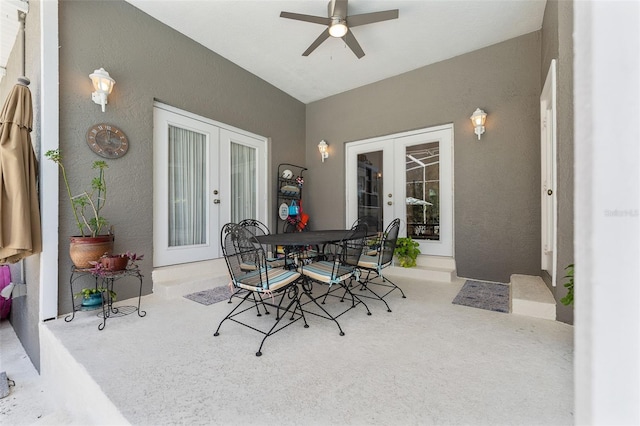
99, 268
86, 206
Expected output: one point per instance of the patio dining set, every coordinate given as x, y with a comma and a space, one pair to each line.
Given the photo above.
278, 271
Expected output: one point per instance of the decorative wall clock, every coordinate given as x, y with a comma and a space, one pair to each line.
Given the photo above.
107, 141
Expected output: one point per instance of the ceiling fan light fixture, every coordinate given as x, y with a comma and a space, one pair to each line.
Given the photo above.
338, 27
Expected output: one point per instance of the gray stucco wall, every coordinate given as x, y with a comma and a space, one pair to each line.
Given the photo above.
150, 61
497, 179
557, 43
25, 310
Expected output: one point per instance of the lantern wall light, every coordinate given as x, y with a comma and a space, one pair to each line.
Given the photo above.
323, 148
103, 85
478, 118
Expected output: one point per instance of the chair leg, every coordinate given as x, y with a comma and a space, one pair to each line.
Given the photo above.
354, 297
367, 288
230, 314
306, 287
271, 330
393, 284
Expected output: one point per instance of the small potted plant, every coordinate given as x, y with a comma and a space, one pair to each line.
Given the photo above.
93, 296
115, 263
407, 251
86, 207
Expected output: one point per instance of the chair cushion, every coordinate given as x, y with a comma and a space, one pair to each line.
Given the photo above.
369, 262
322, 271
277, 278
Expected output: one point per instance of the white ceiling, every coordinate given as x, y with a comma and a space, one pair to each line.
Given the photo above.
9, 28
252, 35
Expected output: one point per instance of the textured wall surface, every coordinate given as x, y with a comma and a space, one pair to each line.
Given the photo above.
557, 43
25, 311
150, 61
497, 179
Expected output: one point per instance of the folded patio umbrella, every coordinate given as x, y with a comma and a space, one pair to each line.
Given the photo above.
20, 234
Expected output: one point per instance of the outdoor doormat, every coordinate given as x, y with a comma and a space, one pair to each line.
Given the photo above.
483, 295
211, 296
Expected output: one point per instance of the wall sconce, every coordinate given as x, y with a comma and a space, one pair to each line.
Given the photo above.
478, 118
322, 147
103, 84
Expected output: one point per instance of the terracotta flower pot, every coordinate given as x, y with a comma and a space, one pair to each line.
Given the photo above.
114, 263
84, 250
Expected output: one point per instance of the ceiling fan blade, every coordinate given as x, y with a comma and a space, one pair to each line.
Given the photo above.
306, 18
370, 18
317, 42
353, 44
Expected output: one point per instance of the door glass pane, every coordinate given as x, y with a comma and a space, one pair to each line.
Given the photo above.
187, 187
370, 190
423, 191
243, 182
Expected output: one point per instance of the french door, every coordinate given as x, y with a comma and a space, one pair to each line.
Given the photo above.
205, 174
409, 176
548, 173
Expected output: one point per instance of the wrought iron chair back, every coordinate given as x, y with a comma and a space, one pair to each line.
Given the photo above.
374, 264
248, 268
388, 243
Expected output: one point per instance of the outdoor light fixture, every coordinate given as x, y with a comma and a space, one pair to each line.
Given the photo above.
322, 147
338, 27
478, 118
103, 84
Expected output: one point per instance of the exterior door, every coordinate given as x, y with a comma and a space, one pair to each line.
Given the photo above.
548, 197
205, 175
409, 176
186, 214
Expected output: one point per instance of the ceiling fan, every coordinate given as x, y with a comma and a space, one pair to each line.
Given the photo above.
339, 24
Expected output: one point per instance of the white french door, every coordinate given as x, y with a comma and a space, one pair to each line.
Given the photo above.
549, 164
205, 174
409, 176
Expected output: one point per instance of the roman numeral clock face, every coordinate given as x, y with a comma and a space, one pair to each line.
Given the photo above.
107, 141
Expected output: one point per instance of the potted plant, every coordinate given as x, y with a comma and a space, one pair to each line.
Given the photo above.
86, 207
568, 299
115, 262
93, 296
407, 251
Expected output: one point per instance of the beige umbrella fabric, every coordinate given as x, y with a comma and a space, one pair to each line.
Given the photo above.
20, 234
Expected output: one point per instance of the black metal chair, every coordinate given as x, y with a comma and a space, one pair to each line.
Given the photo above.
277, 285
340, 271
258, 228
299, 254
375, 263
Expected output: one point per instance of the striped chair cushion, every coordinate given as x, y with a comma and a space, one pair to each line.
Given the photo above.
321, 271
369, 262
276, 277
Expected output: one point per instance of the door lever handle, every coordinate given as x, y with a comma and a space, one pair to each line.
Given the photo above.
216, 201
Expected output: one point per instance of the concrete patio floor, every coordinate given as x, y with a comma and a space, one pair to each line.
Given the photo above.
427, 362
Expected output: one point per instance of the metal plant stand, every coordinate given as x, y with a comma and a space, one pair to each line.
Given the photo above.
106, 279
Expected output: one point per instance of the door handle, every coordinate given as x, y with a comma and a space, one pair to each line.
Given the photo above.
216, 201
